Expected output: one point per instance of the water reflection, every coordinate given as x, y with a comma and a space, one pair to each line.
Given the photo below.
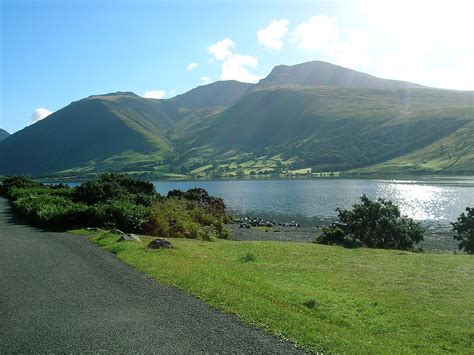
428, 199
421, 202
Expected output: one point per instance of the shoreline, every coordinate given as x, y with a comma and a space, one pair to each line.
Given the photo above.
435, 240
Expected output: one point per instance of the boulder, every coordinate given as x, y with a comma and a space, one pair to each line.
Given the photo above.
117, 231
130, 237
160, 244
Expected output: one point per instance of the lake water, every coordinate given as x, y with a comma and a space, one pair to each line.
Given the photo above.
434, 200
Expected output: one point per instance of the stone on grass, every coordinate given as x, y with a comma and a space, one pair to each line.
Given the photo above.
130, 237
160, 244
117, 231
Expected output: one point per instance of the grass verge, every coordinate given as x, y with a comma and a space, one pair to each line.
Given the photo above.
323, 298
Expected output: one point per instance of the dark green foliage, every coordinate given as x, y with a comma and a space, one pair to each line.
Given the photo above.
118, 201
11, 182
373, 224
123, 215
464, 228
249, 257
49, 208
335, 235
310, 304
114, 186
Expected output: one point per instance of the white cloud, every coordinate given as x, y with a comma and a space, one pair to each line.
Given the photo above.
39, 114
233, 66
191, 66
154, 94
332, 42
317, 33
271, 36
220, 49
205, 79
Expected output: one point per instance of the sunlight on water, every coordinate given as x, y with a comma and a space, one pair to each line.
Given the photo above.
421, 202
439, 200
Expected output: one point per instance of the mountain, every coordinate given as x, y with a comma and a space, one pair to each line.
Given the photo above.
313, 115
218, 94
3, 134
117, 131
336, 128
319, 73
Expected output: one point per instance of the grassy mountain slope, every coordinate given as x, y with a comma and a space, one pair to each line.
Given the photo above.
334, 128
87, 132
453, 154
217, 94
3, 134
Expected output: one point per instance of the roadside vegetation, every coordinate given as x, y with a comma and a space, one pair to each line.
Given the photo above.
324, 298
118, 201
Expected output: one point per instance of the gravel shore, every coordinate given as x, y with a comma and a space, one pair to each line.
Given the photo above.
436, 238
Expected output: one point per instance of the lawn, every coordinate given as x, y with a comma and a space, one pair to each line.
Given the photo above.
323, 298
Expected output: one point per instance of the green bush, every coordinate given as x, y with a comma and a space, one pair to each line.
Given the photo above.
118, 201
123, 215
50, 210
213, 205
373, 224
180, 218
114, 186
11, 182
464, 228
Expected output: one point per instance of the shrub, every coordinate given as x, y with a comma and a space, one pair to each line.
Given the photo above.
11, 182
180, 218
373, 224
49, 210
114, 186
464, 228
123, 215
334, 235
211, 204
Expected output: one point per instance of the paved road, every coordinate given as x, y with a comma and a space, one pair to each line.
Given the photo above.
60, 293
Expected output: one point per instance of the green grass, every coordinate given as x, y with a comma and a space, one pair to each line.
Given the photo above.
323, 298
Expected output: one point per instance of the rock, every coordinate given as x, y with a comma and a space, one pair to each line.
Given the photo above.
92, 229
130, 237
160, 244
117, 231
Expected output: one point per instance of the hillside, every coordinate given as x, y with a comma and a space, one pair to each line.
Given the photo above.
309, 117
218, 94
336, 129
88, 132
3, 134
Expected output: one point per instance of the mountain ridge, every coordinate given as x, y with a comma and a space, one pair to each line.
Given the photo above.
3, 134
314, 115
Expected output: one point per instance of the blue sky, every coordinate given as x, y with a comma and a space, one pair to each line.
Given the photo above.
56, 52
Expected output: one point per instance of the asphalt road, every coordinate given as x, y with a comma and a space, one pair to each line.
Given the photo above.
60, 293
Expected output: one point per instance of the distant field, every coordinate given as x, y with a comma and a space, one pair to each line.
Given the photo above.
323, 298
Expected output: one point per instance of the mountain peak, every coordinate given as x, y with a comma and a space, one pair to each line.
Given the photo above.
319, 73
3, 134
113, 95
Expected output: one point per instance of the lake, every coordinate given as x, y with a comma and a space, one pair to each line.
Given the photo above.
432, 200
